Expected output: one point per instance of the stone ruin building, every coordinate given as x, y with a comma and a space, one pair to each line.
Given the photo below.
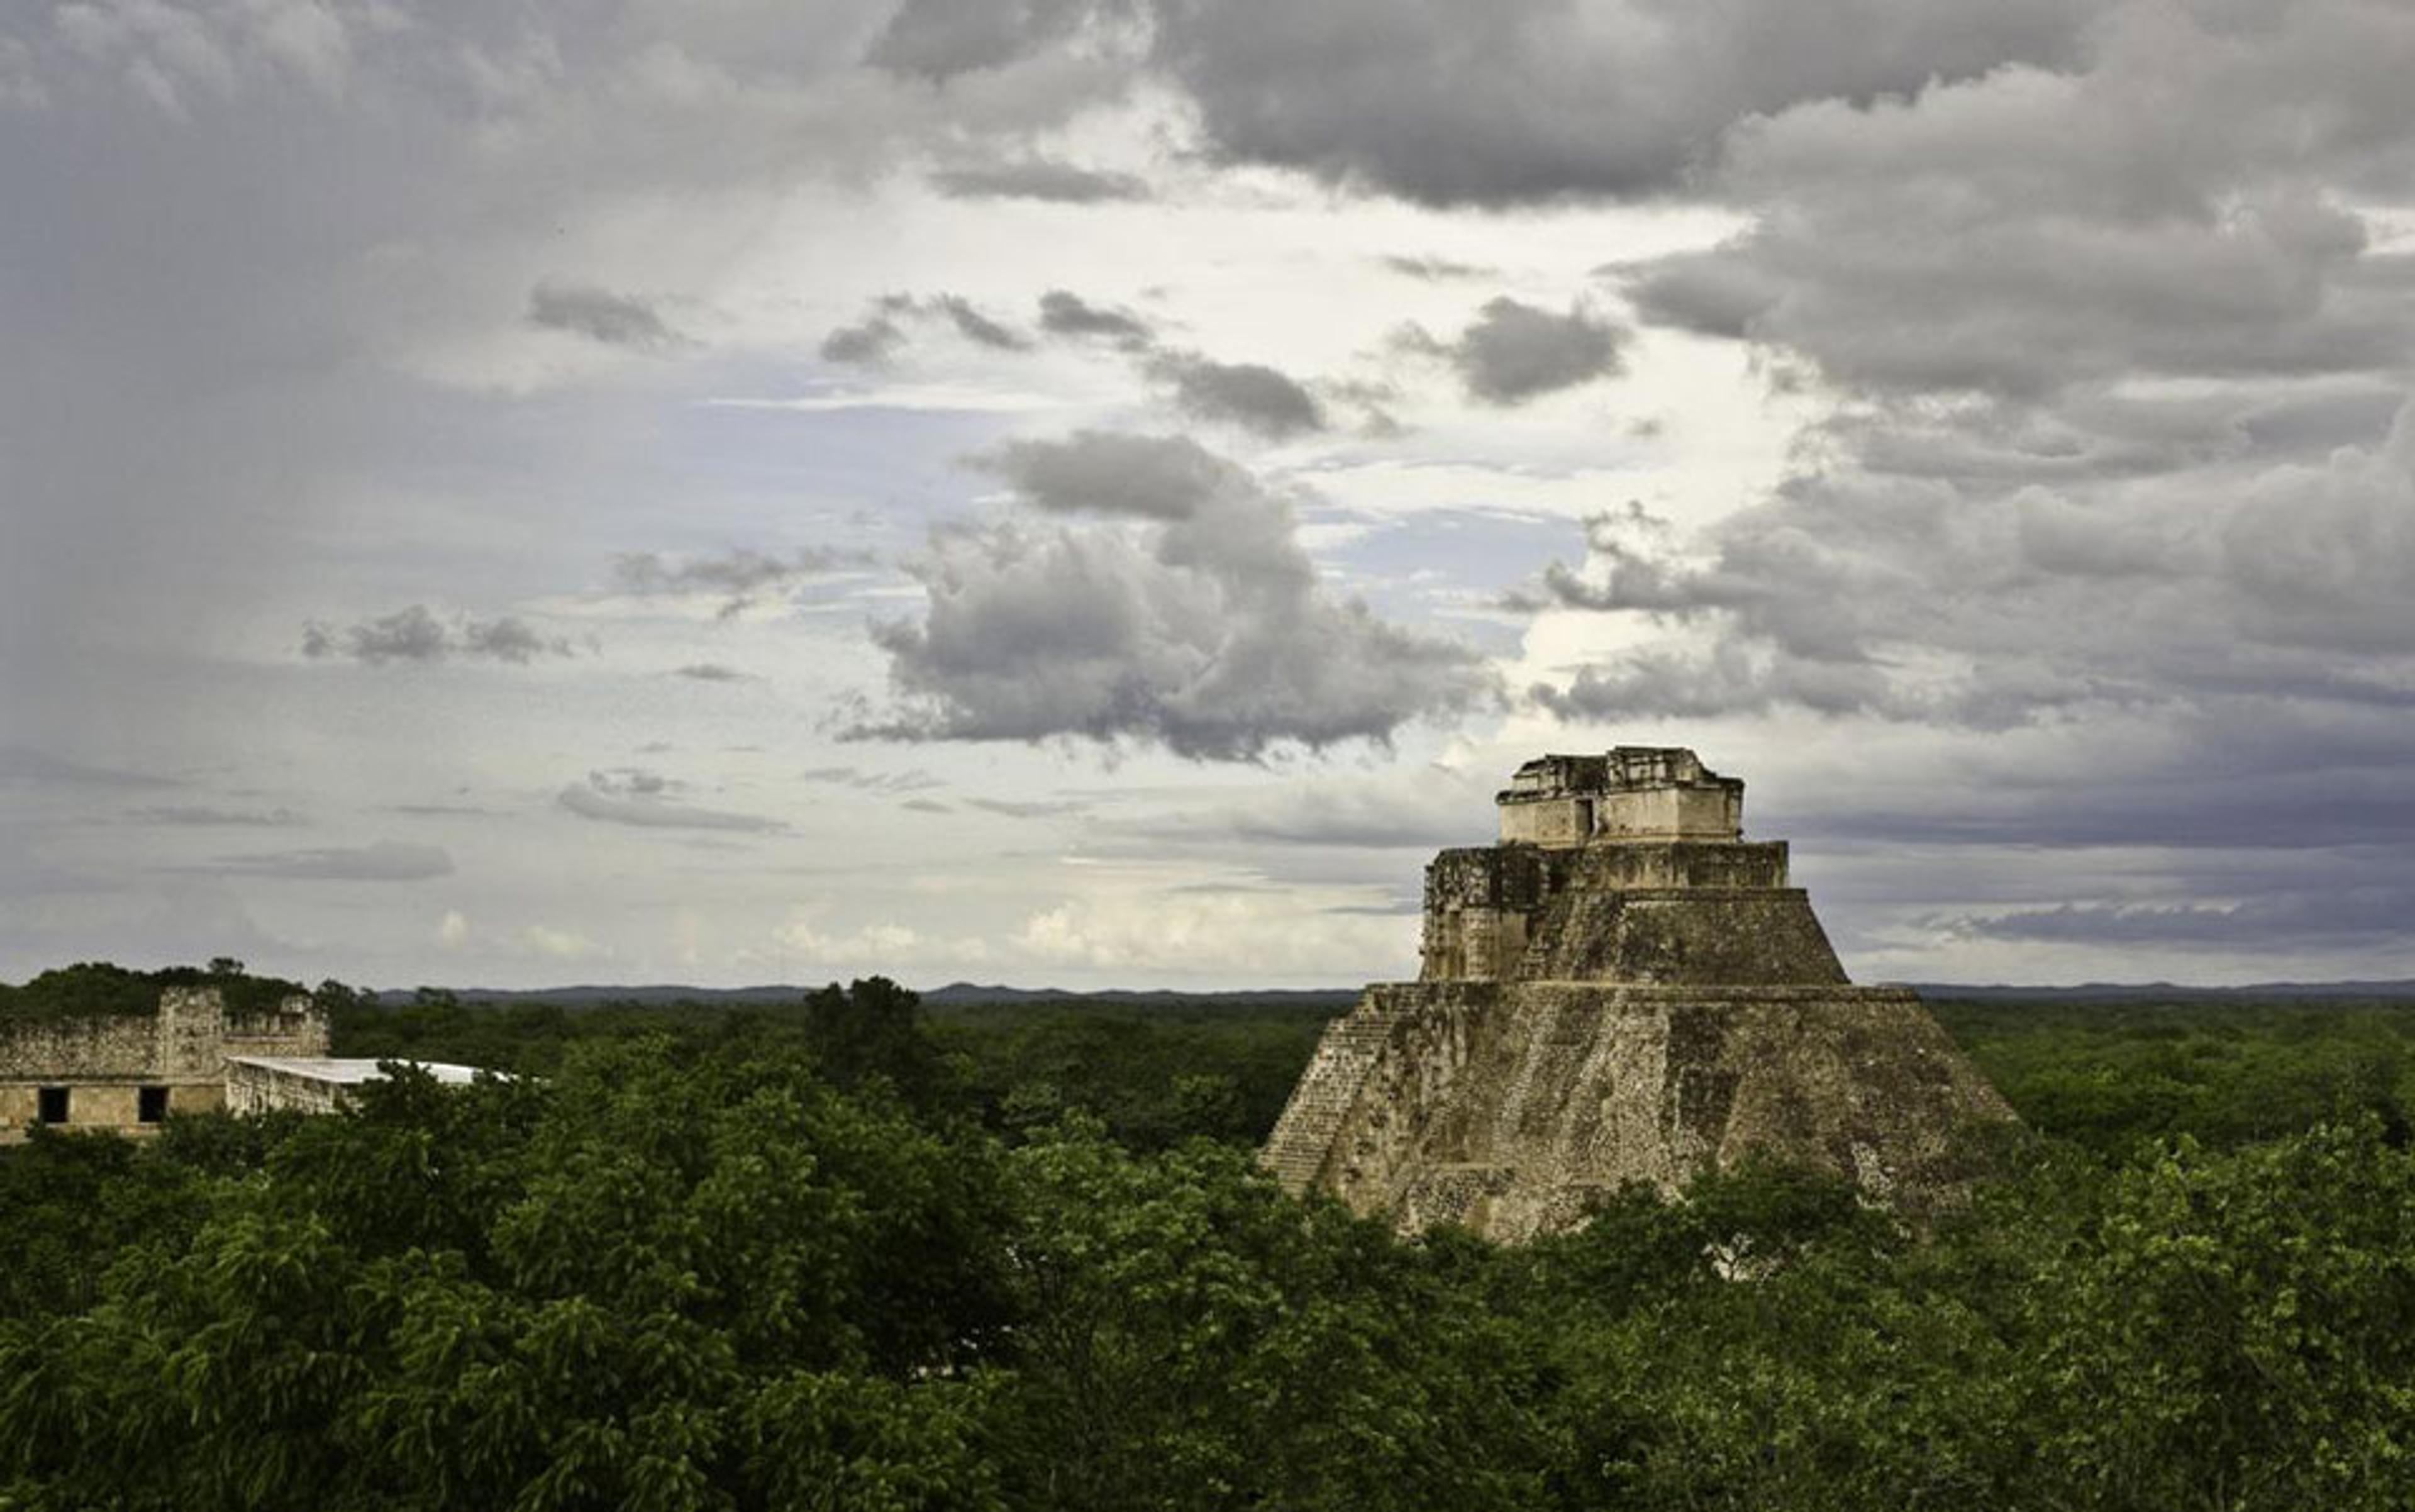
1624, 989
127, 1072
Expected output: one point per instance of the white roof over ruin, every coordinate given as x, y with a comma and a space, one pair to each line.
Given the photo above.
341, 1071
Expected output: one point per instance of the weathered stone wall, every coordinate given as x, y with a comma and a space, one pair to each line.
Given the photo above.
256, 1089
296, 1027
105, 1062
1684, 864
57, 1051
1670, 813
1547, 821
1478, 907
1747, 936
1630, 793
1510, 1107
1656, 911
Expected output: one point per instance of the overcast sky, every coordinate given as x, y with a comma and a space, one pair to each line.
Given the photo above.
1094, 492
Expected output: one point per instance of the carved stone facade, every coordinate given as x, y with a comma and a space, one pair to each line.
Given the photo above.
1622, 989
127, 1072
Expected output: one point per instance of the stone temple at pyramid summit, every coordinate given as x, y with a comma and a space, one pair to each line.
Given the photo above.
1622, 989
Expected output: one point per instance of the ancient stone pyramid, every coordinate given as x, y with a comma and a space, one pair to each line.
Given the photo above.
1622, 989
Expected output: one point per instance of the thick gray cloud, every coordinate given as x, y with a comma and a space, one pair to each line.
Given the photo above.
1065, 313
416, 635
601, 315
1036, 178
1526, 101
1249, 395
1188, 616
2116, 369
382, 860
1512, 352
1945, 600
2168, 204
1114, 473
645, 800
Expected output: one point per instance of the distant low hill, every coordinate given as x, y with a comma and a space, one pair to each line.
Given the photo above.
955, 995
2165, 992
958, 994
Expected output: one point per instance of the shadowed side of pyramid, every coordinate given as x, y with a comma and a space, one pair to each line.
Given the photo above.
1624, 989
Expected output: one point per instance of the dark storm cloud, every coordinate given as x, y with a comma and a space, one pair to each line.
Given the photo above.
740, 578
383, 861
1036, 178
416, 634
645, 800
1249, 395
1185, 615
602, 316
1065, 313
1526, 101
1512, 353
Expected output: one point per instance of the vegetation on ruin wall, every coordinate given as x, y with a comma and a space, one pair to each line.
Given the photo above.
819, 1257
98, 990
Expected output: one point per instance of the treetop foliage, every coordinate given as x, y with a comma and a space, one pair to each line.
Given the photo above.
827, 1257
99, 990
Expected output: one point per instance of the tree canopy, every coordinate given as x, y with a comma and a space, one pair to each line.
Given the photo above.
820, 1258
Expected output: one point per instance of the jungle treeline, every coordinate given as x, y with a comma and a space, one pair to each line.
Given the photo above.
830, 1255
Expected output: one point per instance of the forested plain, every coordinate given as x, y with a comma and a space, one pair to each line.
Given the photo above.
839, 1254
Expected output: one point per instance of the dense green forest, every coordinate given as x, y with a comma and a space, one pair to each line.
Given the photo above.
830, 1255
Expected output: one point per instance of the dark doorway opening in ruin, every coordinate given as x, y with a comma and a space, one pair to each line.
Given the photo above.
51, 1105
151, 1103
